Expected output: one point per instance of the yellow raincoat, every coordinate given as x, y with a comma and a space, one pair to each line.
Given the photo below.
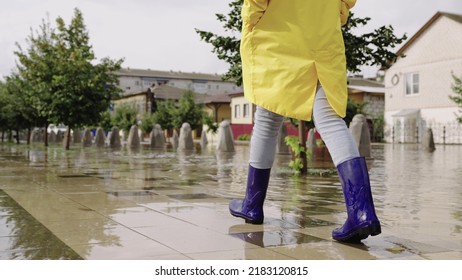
287, 46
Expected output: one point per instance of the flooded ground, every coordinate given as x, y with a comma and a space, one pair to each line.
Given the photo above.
102, 204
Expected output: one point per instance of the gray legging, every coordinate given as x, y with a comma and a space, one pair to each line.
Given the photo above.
330, 126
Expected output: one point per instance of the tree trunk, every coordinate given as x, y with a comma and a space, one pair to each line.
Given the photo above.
17, 136
28, 135
46, 134
68, 138
302, 143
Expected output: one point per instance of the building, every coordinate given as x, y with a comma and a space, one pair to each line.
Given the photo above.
144, 88
217, 106
360, 90
418, 85
242, 115
137, 80
370, 93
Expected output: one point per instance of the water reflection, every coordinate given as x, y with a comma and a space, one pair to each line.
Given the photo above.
418, 197
22, 237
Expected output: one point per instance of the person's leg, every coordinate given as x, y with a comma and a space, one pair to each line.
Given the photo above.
262, 153
362, 220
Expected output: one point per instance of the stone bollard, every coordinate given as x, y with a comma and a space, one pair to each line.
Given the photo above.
157, 137
175, 140
87, 139
282, 147
36, 135
428, 142
185, 141
225, 141
59, 136
114, 138
100, 138
77, 136
133, 141
360, 132
64, 142
51, 137
204, 140
311, 140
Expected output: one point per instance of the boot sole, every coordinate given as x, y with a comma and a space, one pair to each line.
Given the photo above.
247, 220
362, 233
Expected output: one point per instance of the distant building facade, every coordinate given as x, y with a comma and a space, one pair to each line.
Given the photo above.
138, 80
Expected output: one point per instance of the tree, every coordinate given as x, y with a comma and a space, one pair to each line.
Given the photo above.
147, 123
22, 115
164, 114
125, 116
457, 97
5, 110
227, 47
188, 111
36, 68
69, 87
374, 48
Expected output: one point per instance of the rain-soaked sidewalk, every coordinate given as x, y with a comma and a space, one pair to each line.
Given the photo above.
101, 204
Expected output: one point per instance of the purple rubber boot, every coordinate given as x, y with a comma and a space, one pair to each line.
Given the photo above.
362, 220
251, 208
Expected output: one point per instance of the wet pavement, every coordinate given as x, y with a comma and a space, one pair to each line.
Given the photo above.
102, 204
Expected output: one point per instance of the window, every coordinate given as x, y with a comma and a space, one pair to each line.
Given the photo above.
412, 83
237, 111
245, 111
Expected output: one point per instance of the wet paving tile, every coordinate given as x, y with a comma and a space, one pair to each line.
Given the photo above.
266, 239
24, 238
323, 251
103, 204
242, 254
189, 196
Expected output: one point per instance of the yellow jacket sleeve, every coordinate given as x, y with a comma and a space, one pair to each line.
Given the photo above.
252, 11
346, 5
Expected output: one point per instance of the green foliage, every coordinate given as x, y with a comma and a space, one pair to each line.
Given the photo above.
36, 67
353, 108
227, 47
457, 97
379, 125
212, 126
147, 123
188, 111
6, 109
296, 163
244, 137
125, 116
106, 121
164, 114
62, 82
15, 114
374, 48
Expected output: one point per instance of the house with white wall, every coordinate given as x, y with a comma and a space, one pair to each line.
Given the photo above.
242, 114
419, 83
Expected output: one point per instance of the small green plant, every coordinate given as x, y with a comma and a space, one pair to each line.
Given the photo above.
212, 126
244, 137
296, 163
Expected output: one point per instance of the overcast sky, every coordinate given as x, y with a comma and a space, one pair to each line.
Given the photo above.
159, 34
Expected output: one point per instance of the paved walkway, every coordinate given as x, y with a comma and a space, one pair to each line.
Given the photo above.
102, 204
